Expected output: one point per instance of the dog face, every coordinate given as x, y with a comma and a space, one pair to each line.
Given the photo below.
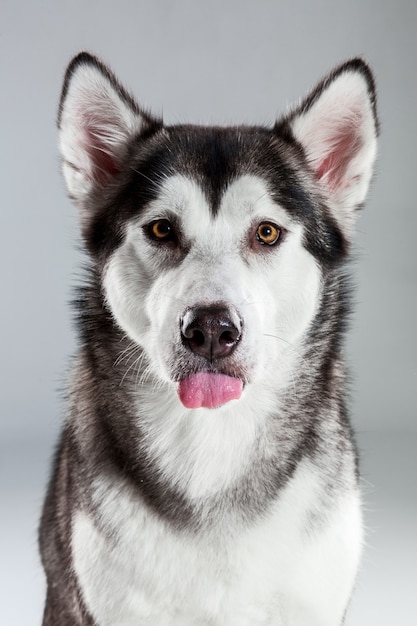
198, 291
213, 244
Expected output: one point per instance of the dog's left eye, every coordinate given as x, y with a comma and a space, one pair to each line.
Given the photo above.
161, 230
268, 233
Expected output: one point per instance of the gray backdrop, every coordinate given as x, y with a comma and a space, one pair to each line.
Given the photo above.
220, 61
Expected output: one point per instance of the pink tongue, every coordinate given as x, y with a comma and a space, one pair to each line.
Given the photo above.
208, 390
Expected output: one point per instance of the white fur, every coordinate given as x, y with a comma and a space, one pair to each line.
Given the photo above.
137, 571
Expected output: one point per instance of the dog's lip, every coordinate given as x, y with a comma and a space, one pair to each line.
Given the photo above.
190, 369
230, 374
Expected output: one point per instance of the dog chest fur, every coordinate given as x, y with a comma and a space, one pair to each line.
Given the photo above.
135, 570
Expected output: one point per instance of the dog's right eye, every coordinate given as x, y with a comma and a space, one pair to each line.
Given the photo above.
161, 230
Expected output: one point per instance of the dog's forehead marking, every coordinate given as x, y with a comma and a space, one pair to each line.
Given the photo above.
245, 199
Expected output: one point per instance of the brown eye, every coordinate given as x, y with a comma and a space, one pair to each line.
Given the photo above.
161, 230
267, 233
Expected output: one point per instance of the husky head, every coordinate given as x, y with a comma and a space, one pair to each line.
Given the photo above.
213, 244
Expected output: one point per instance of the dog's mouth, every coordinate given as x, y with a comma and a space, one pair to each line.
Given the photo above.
209, 390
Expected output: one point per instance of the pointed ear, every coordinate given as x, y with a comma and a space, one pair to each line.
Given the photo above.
337, 127
97, 119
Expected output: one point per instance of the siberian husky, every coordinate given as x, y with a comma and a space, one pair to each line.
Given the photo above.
206, 473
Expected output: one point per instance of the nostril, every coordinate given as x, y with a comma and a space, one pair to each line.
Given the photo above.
228, 337
196, 337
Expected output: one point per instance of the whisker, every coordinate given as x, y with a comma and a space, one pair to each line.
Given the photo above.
248, 302
263, 195
280, 339
126, 353
296, 350
158, 177
143, 175
132, 366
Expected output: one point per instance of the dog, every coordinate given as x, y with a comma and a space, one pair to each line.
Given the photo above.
207, 472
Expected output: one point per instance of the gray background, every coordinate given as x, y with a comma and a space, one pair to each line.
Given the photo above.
220, 61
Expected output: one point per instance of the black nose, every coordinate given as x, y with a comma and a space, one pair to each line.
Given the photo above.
210, 331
